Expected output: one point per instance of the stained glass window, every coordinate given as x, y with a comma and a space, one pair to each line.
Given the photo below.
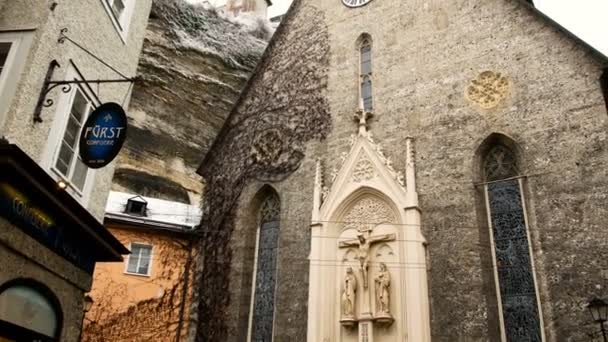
511, 247
265, 278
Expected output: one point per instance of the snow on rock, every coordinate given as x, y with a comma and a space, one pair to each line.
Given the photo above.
201, 27
193, 66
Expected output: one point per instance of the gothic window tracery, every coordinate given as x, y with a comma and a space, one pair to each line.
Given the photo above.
365, 72
265, 275
512, 253
499, 164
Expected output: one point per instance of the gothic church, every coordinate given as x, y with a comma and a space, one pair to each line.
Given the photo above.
412, 171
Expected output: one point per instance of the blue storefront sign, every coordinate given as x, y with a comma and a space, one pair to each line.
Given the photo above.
36, 221
103, 134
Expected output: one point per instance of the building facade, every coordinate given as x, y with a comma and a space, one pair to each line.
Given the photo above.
396, 172
52, 204
148, 296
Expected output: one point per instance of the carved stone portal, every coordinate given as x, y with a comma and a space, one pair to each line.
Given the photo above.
488, 89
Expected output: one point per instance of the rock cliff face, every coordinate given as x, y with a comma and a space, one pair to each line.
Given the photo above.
193, 67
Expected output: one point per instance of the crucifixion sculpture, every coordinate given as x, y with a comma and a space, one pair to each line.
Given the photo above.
364, 242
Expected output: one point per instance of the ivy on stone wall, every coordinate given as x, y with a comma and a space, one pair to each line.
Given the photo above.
114, 318
283, 107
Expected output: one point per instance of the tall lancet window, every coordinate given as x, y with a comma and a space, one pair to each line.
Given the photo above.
517, 294
265, 270
365, 72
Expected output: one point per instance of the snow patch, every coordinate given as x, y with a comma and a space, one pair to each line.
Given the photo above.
158, 210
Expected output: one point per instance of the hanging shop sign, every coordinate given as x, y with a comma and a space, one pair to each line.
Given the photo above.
103, 135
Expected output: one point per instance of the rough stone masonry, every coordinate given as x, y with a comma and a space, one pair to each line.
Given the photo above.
428, 60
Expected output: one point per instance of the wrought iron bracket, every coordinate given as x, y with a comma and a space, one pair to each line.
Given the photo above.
66, 85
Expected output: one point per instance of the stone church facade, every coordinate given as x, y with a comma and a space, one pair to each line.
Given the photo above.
396, 171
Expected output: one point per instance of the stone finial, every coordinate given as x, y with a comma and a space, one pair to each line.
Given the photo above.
361, 116
410, 171
317, 192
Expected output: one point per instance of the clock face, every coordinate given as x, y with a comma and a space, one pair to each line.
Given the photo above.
355, 3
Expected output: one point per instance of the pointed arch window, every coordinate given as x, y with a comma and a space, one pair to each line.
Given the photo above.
262, 315
365, 72
517, 293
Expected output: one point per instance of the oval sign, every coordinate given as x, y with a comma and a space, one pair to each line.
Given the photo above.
102, 135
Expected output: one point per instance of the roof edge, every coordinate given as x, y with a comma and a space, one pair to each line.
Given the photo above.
597, 53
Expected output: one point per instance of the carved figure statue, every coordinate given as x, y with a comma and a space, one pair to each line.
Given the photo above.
363, 256
383, 287
349, 294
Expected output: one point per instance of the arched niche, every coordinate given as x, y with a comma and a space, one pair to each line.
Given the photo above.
366, 209
353, 207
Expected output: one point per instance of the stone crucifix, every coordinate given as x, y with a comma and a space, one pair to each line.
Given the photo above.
364, 242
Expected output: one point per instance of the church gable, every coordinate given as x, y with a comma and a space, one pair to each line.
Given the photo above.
448, 75
364, 166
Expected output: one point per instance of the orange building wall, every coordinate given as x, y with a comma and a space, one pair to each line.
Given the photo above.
139, 308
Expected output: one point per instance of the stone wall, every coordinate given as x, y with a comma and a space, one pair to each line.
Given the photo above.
283, 107
25, 258
425, 58
552, 109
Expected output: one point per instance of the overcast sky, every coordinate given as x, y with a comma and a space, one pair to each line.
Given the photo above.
584, 18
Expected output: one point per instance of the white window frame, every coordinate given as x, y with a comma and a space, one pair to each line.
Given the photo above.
149, 273
120, 24
55, 139
13, 66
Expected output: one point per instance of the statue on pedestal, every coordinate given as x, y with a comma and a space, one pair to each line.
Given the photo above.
383, 289
349, 295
